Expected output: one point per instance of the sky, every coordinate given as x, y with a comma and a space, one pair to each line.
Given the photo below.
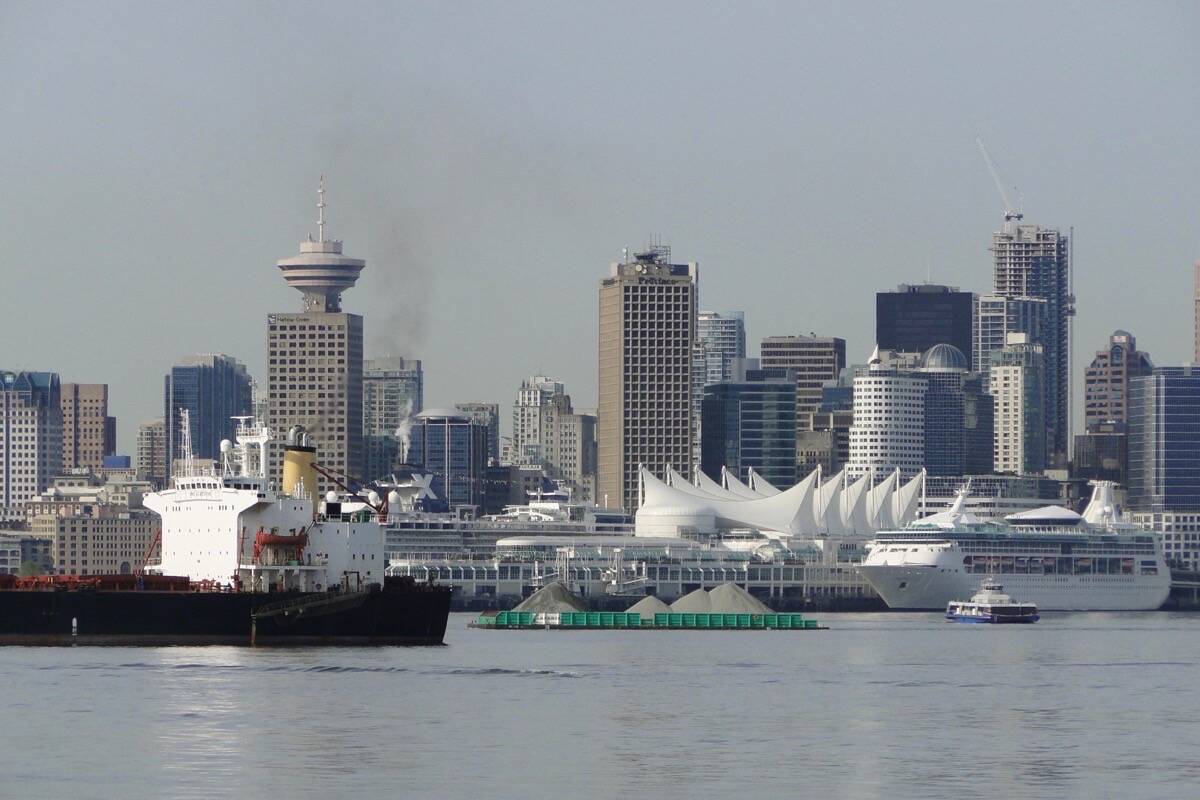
490, 160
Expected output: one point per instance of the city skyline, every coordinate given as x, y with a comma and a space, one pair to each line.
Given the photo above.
398, 163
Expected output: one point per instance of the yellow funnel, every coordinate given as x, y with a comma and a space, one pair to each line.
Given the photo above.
298, 468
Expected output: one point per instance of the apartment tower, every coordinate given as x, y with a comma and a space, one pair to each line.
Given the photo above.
1034, 262
647, 330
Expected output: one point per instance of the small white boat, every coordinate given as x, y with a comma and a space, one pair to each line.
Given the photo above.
991, 604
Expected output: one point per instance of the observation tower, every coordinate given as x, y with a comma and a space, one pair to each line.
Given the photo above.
320, 272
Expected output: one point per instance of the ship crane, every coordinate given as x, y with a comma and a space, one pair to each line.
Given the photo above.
1010, 213
367, 494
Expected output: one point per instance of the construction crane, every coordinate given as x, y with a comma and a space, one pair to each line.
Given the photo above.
1010, 213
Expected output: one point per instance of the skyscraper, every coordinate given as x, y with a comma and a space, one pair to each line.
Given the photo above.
1196, 324
453, 448
996, 317
213, 388
647, 329
720, 343
1017, 384
315, 357
393, 393
1106, 382
30, 434
916, 317
888, 431
487, 414
751, 423
89, 433
393, 390
813, 359
958, 415
1164, 440
1031, 261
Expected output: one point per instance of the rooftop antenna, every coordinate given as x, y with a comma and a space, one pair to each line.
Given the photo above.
321, 210
1010, 213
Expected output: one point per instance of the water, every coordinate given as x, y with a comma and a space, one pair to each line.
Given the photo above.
882, 705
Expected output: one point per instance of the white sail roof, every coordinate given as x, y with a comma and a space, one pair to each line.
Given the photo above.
735, 486
811, 507
761, 484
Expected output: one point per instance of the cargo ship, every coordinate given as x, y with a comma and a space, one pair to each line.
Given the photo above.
241, 563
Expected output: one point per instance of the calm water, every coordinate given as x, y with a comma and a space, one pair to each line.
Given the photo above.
883, 705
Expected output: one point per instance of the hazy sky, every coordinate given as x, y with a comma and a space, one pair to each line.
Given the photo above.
490, 160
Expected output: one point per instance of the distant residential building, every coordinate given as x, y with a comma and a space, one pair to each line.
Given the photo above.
31, 424
485, 414
89, 433
1106, 382
823, 436
452, 447
1017, 384
152, 452
916, 317
647, 332
1031, 261
548, 433
1164, 441
751, 424
96, 529
813, 359
214, 388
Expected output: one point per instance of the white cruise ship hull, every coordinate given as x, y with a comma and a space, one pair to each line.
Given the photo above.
930, 587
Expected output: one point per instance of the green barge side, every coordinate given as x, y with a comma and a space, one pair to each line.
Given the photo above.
617, 620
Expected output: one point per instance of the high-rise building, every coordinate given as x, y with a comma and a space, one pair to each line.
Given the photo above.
647, 329
485, 414
996, 317
1016, 381
1164, 440
315, 357
152, 452
751, 424
721, 337
1106, 382
214, 389
31, 425
1101, 453
888, 431
89, 433
1031, 261
1196, 324
958, 415
453, 448
393, 392
720, 345
813, 359
917, 317
548, 433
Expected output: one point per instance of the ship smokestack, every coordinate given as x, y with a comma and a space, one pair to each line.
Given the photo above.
298, 471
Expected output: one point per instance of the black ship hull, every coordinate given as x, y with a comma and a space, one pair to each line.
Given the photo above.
407, 614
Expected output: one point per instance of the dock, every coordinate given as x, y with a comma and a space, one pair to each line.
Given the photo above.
618, 620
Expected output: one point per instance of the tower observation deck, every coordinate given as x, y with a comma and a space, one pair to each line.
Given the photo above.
321, 272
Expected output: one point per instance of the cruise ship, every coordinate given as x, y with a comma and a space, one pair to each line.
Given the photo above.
1051, 556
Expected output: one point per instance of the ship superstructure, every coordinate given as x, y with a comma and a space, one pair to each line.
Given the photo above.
232, 528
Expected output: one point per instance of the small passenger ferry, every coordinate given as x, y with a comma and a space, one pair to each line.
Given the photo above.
991, 604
